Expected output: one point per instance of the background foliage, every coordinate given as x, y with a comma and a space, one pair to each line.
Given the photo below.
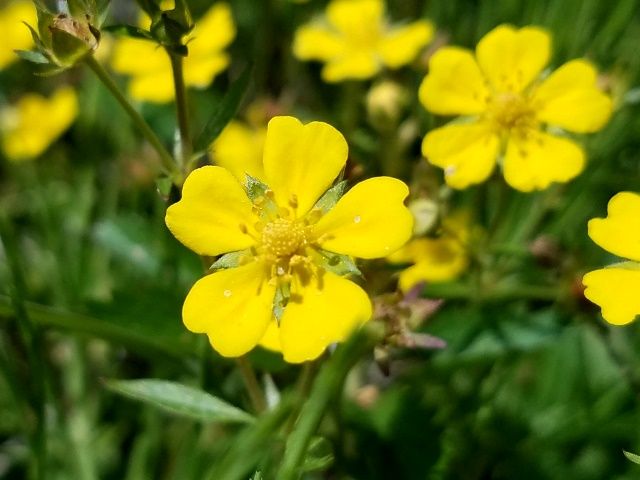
532, 383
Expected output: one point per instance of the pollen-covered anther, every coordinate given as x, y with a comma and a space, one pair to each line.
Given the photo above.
511, 111
283, 237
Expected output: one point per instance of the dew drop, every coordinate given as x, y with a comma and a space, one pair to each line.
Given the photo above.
280, 271
450, 170
227, 293
357, 219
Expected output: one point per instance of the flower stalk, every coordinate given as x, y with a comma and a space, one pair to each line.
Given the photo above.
168, 164
184, 147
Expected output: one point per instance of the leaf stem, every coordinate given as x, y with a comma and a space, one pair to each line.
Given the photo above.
325, 389
168, 163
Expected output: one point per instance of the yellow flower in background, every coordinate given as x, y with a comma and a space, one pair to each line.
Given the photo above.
283, 292
355, 40
15, 34
438, 259
616, 289
508, 107
149, 66
239, 149
34, 122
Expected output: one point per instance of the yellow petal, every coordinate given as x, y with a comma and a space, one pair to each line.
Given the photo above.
454, 85
615, 291
149, 67
302, 161
536, 160
619, 233
317, 42
321, 316
357, 19
35, 122
356, 65
155, 87
569, 98
199, 72
401, 45
134, 56
15, 35
213, 31
212, 214
233, 307
439, 260
369, 221
271, 338
512, 58
466, 152
239, 149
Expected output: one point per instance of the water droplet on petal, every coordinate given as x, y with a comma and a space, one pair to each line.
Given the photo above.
450, 170
357, 219
227, 293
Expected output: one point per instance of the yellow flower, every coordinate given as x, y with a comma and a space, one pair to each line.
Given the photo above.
35, 122
508, 107
15, 34
615, 288
286, 292
439, 259
149, 65
239, 149
354, 40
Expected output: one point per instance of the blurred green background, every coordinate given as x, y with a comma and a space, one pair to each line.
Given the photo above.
529, 387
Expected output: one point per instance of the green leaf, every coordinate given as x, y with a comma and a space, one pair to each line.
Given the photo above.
32, 56
180, 400
224, 112
632, 456
255, 188
331, 197
129, 31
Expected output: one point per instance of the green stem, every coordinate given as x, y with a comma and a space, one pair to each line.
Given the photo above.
251, 382
182, 109
168, 163
325, 390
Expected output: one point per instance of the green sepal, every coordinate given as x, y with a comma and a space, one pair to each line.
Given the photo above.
33, 56
342, 265
280, 300
255, 188
331, 197
68, 49
228, 260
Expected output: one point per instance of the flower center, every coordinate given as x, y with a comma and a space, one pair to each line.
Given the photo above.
510, 111
283, 237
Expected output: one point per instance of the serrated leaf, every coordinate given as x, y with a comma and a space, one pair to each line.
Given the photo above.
32, 56
632, 456
255, 188
331, 197
180, 400
129, 31
224, 112
228, 260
